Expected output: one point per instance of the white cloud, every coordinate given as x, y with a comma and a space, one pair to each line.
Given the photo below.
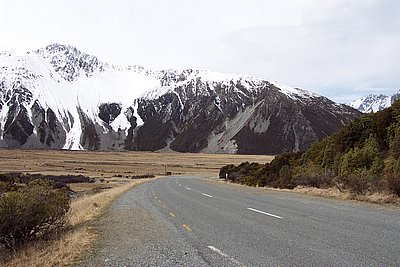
326, 46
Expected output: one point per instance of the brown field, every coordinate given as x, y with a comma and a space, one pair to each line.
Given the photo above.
117, 164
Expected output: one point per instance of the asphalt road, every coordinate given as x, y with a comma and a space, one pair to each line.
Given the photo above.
207, 223
248, 227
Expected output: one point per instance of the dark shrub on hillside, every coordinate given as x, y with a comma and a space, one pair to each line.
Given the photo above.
31, 211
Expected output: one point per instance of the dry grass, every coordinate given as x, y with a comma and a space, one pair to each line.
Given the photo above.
61, 251
65, 249
333, 192
89, 207
378, 198
110, 164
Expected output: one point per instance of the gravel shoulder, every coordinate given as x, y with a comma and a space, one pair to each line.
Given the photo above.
134, 233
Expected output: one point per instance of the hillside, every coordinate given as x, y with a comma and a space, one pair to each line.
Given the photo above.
362, 157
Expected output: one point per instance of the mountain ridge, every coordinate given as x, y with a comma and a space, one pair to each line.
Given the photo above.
59, 97
374, 102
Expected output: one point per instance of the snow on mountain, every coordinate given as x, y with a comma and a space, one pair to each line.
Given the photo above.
373, 102
60, 97
62, 79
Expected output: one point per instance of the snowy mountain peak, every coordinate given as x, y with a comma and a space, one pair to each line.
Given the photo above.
71, 63
374, 102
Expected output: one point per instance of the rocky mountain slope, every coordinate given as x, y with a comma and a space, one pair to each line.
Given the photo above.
59, 97
374, 102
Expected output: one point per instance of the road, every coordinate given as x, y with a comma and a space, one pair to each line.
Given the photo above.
226, 225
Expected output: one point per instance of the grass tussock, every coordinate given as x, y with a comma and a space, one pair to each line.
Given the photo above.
66, 248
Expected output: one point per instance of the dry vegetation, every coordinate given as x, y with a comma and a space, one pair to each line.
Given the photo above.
65, 249
114, 173
334, 192
111, 164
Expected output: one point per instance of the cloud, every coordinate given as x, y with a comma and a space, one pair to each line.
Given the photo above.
346, 46
337, 46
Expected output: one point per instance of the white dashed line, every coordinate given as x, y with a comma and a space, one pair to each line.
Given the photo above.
188, 188
265, 213
233, 260
207, 195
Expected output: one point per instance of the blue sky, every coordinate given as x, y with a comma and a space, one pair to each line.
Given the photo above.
340, 49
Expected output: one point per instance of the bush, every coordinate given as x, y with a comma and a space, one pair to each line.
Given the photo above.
31, 211
314, 176
357, 184
393, 183
227, 170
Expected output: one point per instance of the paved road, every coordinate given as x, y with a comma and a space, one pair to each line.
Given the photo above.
221, 225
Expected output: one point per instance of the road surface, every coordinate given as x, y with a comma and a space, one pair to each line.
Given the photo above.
188, 221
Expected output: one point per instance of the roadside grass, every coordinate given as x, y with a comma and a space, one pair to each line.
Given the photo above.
333, 192
66, 248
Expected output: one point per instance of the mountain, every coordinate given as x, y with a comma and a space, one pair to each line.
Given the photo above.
59, 97
373, 102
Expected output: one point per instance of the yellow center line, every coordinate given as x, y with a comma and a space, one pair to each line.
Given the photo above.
187, 227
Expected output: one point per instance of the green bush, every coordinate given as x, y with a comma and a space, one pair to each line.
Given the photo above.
31, 211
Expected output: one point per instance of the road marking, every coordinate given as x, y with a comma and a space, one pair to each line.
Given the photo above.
265, 213
159, 201
188, 188
172, 215
187, 227
179, 184
233, 260
206, 195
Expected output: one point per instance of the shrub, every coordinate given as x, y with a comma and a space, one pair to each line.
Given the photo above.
393, 183
357, 184
227, 170
313, 175
31, 211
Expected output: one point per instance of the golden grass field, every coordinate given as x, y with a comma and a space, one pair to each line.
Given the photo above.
109, 164
117, 169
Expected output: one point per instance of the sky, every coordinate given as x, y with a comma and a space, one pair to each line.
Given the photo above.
342, 49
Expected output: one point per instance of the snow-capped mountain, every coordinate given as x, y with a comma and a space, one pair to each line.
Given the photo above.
374, 103
59, 97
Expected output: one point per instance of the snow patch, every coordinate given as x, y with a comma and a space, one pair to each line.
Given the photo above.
292, 92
